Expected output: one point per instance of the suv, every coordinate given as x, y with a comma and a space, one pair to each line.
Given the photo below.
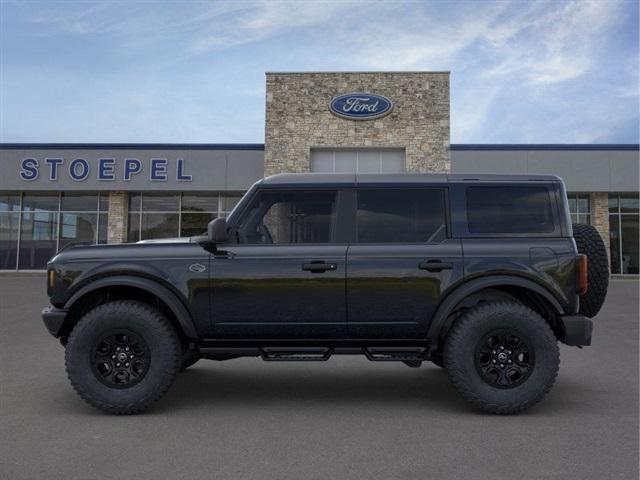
482, 276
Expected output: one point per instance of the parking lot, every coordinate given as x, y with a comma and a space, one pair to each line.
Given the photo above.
345, 418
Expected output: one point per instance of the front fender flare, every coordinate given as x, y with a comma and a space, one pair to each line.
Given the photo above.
163, 293
441, 317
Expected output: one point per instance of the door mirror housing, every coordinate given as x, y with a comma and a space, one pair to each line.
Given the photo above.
217, 230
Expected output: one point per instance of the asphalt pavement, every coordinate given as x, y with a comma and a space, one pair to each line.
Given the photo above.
347, 418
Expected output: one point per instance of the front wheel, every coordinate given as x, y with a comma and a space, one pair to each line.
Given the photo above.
502, 357
122, 356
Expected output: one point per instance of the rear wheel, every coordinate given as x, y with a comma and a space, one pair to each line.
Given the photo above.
502, 357
589, 242
122, 357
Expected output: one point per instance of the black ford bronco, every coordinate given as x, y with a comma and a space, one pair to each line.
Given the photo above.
482, 275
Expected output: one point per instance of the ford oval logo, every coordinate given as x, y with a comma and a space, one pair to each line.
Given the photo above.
360, 106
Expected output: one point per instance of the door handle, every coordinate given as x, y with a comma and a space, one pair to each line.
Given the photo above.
318, 267
435, 266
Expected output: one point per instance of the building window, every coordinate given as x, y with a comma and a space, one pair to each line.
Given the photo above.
365, 160
35, 225
580, 208
624, 214
9, 229
166, 215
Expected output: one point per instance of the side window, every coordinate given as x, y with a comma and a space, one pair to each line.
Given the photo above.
498, 209
415, 215
289, 217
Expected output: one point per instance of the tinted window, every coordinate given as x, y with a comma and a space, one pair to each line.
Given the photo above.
200, 202
297, 217
79, 202
509, 210
401, 216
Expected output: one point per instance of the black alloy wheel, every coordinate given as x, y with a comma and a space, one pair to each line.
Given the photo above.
504, 359
120, 359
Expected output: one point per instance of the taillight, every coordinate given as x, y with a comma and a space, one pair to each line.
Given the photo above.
583, 277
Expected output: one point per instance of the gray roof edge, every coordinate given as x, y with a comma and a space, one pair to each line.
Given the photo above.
355, 178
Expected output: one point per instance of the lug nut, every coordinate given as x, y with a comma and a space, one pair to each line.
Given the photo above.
130, 356
117, 349
510, 361
509, 352
493, 361
126, 364
501, 347
127, 349
502, 365
117, 364
113, 356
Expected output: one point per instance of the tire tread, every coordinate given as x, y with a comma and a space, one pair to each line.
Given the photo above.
457, 375
126, 307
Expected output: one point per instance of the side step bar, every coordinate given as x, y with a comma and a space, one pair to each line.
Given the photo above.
293, 354
317, 354
395, 354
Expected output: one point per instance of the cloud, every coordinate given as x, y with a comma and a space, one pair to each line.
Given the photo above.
257, 21
547, 43
521, 71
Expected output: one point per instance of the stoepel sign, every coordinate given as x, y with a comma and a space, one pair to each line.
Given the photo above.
106, 169
360, 106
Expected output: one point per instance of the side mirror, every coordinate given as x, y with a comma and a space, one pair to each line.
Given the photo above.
217, 230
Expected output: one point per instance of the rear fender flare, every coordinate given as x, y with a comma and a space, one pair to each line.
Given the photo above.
163, 293
441, 320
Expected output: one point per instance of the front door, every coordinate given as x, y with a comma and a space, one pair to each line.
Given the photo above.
401, 263
284, 277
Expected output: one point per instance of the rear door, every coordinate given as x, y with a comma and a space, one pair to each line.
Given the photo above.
402, 261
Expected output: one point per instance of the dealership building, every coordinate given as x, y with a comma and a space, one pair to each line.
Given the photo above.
385, 122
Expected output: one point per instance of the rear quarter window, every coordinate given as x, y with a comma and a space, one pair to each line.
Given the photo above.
513, 209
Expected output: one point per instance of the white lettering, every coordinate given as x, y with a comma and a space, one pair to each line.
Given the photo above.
354, 104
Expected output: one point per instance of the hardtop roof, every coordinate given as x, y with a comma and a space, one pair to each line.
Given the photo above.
308, 179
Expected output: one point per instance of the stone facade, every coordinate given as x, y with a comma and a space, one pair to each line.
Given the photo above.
298, 118
117, 217
599, 202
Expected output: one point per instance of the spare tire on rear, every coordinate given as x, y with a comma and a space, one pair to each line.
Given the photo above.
589, 243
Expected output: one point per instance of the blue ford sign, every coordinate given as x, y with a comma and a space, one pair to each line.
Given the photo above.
360, 106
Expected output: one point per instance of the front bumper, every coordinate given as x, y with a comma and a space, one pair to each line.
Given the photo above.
53, 319
577, 330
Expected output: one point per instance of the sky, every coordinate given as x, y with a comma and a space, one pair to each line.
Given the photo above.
180, 71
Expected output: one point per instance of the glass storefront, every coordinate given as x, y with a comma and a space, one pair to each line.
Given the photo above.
624, 215
35, 225
166, 215
579, 207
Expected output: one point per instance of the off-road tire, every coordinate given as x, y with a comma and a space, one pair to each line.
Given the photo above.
190, 357
589, 243
165, 355
460, 357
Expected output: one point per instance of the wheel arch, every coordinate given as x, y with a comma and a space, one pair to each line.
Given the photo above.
526, 291
134, 288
